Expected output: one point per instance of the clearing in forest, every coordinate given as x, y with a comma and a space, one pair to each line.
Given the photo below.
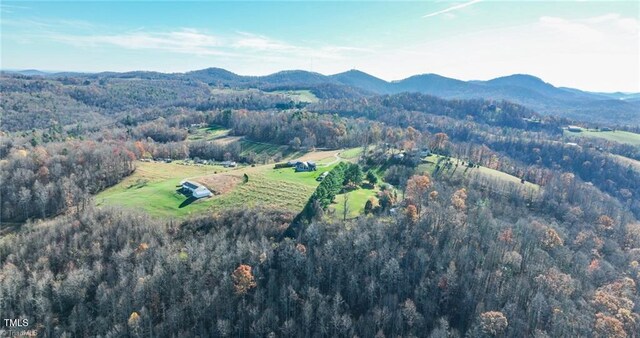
634, 164
154, 186
356, 200
299, 95
616, 136
433, 160
302, 95
209, 133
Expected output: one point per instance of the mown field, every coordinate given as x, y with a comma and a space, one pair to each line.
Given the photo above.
352, 154
634, 164
293, 95
299, 95
208, 133
268, 149
433, 159
262, 191
153, 187
616, 136
355, 202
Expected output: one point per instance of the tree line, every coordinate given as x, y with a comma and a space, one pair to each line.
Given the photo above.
470, 264
44, 181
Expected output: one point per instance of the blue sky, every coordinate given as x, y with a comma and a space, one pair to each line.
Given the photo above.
582, 44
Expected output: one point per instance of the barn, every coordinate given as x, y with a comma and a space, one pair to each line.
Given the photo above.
195, 189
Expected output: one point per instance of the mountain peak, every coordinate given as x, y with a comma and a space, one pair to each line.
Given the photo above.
524, 80
353, 72
211, 70
357, 78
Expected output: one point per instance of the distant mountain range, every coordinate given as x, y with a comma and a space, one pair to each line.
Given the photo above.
519, 88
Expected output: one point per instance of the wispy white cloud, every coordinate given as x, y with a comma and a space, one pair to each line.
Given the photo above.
595, 53
568, 28
452, 8
260, 42
196, 42
49, 24
8, 9
591, 30
186, 40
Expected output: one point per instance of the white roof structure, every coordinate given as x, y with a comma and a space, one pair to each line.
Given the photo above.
197, 190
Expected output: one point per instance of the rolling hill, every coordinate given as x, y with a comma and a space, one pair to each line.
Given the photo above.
533, 92
359, 79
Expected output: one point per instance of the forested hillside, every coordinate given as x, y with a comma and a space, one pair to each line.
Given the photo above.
424, 216
468, 264
533, 92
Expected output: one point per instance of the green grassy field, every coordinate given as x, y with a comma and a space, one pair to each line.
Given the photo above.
289, 175
208, 133
262, 191
283, 188
267, 148
156, 194
355, 203
351, 154
303, 95
616, 136
227, 91
152, 187
299, 95
429, 167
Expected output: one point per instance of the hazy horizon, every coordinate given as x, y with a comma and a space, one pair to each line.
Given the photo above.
285, 70
593, 46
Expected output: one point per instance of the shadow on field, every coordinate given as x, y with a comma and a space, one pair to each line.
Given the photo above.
187, 202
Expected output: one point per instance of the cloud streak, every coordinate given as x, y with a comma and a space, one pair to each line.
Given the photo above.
195, 42
597, 52
9, 9
452, 8
188, 41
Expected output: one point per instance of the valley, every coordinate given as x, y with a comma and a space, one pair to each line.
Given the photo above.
320, 169
302, 198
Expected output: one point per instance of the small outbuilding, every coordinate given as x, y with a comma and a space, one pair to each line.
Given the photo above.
574, 129
424, 152
322, 176
306, 166
229, 164
398, 157
573, 144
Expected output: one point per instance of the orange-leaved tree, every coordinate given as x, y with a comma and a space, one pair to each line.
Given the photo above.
417, 187
243, 279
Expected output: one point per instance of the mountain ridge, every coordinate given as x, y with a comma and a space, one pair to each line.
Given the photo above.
342, 77
524, 89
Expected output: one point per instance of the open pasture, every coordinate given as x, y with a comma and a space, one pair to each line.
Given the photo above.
153, 186
432, 160
615, 136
